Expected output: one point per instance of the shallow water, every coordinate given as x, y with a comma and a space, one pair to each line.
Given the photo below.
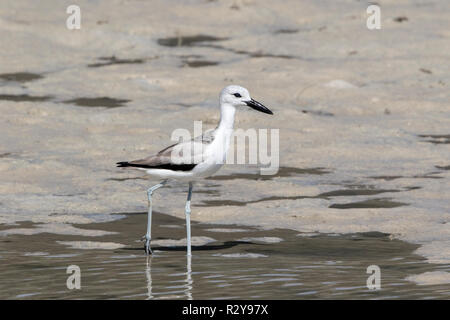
23, 97
20, 76
239, 263
108, 61
98, 102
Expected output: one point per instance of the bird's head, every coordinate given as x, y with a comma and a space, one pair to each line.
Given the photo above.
238, 96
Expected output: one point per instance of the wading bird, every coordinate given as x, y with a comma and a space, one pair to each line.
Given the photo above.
197, 158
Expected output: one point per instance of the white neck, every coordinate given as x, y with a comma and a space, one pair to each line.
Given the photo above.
227, 112
223, 132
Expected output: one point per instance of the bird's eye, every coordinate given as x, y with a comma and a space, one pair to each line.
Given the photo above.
237, 95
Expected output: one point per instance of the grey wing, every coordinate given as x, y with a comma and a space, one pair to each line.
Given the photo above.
183, 156
207, 137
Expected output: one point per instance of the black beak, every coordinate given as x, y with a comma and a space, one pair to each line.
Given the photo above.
258, 106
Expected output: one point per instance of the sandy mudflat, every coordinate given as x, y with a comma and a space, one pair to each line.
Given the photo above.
364, 116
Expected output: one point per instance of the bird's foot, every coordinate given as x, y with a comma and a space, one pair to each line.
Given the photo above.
147, 248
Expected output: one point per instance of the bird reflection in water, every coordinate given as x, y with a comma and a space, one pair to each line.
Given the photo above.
188, 281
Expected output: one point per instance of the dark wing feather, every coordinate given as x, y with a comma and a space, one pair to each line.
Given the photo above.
168, 166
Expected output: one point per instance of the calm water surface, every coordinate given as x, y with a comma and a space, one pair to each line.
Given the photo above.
238, 264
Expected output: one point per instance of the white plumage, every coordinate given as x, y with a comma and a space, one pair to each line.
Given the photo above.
198, 158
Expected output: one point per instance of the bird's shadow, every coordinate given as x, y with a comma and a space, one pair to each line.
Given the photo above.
225, 245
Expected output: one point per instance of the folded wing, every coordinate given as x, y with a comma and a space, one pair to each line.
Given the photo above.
183, 156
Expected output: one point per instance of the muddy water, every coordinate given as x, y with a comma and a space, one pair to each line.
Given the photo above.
98, 102
20, 76
108, 61
227, 262
23, 97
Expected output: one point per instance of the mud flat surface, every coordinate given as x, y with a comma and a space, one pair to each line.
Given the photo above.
363, 115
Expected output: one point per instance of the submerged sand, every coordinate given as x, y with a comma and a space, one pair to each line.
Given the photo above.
363, 115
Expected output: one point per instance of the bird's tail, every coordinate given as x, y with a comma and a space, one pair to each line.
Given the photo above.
123, 164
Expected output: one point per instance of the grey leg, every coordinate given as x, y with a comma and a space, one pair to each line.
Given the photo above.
188, 219
148, 235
